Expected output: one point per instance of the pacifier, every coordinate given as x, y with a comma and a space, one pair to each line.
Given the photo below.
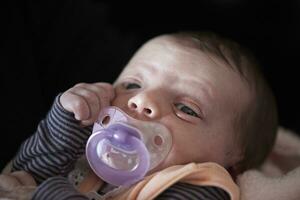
121, 149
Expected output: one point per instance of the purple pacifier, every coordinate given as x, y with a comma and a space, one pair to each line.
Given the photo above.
121, 149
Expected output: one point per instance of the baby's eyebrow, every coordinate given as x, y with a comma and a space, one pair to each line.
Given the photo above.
137, 68
150, 68
202, 92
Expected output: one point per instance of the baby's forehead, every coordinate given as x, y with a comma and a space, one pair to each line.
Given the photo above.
180, 49
175, 41
216, 52
169, 52
176, 48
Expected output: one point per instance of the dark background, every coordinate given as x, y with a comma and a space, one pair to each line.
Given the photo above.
48, 46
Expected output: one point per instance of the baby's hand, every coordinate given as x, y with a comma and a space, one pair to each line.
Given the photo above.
86, 100
17, 185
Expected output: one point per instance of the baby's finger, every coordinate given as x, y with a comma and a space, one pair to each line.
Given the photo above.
106, 93
92, 101
87, 122
76, 104
102, 94
8, 182
24, 178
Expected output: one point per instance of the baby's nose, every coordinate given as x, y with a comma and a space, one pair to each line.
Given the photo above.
144, 104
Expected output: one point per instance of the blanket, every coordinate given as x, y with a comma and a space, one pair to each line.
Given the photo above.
279, 176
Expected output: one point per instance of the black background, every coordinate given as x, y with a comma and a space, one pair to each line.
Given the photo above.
48, 46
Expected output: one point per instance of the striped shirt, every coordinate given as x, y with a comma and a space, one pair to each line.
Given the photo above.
51, 153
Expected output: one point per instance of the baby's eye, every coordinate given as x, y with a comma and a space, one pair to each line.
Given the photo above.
186, 109
129, 86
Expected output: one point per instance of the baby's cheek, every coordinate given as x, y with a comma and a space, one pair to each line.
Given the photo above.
176, 156
119, 101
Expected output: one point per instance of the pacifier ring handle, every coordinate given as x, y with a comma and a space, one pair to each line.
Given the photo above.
109, 173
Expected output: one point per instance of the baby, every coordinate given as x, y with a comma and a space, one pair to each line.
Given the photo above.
207, 90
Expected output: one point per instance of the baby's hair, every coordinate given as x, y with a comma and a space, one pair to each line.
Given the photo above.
256, 126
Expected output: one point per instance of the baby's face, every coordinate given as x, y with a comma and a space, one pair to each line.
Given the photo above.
171, 82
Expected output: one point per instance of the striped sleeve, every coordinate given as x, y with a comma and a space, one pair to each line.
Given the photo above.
55, 146
182, 191
57, 188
